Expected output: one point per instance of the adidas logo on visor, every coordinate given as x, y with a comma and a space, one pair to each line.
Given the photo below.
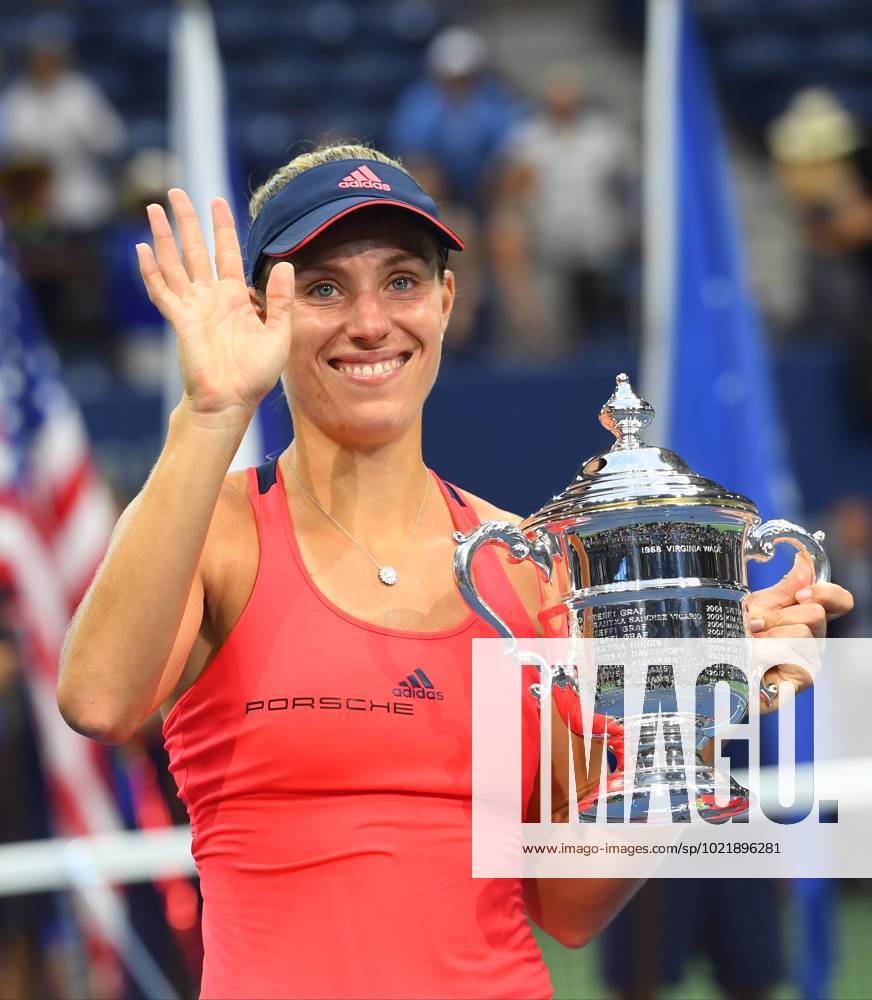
418, 685
363, 177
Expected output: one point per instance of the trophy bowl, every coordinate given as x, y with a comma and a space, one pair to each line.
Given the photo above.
639, 546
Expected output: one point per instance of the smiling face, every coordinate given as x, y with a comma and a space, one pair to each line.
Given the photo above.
369, 312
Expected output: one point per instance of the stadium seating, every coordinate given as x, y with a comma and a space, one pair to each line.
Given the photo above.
295, 69
764, 52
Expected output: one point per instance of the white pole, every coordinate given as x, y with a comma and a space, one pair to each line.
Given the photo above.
199, 140
197, 110
660, 219
109, 913
118, 857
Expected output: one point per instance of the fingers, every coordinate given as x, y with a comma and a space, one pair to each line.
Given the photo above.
835, 600
787, 673
155, 286
796, 655
280, 296
165, 251
783, 593
799, 621
800, 574
195, 264
228, 256
791, 658
194, 252
797, 668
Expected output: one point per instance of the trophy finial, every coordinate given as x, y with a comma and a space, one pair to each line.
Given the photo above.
626, 415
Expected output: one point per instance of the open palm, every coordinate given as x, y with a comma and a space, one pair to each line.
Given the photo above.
230, 355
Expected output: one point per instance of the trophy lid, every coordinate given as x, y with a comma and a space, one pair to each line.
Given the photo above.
632, 473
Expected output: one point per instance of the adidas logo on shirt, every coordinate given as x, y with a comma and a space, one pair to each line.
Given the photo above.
418, 685
363, 177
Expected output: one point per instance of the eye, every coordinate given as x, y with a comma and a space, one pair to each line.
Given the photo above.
324, 290
402, 283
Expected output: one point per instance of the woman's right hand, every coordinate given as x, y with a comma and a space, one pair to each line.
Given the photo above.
229, 356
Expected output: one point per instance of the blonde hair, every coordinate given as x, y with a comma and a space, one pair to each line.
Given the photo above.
316, 158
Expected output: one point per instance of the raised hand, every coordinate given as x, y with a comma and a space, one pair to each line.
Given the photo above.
230, 357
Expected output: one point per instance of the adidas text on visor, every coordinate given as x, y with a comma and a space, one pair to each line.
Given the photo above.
322, 195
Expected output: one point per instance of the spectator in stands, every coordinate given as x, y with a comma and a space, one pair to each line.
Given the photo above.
468, 327
565, 222
138, 326
55, 112
458, 116
824, 165
57, 132
61, 267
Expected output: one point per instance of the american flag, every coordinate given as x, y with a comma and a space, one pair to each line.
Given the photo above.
56, 517
55, 521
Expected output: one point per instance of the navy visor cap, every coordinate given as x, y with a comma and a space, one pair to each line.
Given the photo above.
322, 195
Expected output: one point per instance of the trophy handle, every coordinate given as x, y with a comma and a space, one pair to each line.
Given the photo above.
539, 552
764, 537
761, 547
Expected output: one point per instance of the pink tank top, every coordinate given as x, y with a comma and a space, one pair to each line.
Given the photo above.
326, 767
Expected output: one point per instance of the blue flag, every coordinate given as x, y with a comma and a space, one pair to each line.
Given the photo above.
705, 362
711, 378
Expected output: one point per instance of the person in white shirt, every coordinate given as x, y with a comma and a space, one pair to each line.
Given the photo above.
566, 196
57, 114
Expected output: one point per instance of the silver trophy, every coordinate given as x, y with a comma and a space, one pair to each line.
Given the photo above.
639, 546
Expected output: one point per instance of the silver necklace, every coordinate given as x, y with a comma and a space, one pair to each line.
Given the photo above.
387, 574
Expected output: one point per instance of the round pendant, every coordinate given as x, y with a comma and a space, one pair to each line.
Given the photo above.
388, 575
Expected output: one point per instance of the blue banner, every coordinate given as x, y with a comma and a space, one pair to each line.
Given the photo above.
723, 413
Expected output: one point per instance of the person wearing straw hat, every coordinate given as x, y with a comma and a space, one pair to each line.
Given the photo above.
299, 622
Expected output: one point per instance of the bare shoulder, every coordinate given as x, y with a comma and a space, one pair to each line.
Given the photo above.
233, 511
230, 556
234, 495
490, 512
225, 579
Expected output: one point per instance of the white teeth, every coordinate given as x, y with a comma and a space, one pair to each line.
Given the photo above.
371, 371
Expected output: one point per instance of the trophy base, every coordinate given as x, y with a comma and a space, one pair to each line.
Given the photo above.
664, 796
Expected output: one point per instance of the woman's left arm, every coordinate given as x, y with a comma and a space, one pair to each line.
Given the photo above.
573, 910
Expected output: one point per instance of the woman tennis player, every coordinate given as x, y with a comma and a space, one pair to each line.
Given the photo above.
279, 616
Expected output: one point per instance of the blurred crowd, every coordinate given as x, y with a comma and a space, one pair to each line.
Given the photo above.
543, 187
823, 163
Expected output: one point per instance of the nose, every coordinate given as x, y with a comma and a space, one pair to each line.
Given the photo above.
367, 320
